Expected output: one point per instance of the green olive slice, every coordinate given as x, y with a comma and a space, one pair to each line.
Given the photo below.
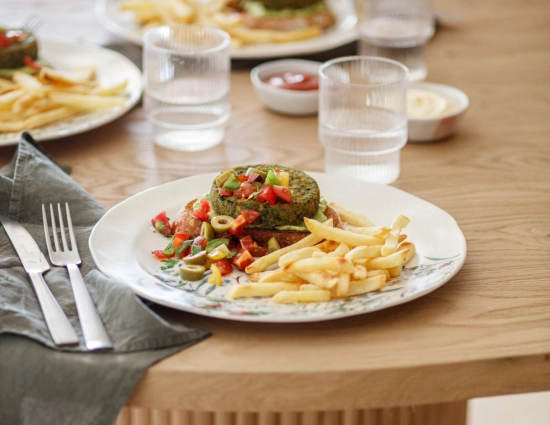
192, 272
221, 223
197, 259
207, 231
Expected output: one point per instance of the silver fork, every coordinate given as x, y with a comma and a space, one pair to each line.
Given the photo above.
95, 335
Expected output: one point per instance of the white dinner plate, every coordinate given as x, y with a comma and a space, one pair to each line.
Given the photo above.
122, 241
343, 32
111, 67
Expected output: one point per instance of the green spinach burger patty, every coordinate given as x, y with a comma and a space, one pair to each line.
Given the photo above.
305, 200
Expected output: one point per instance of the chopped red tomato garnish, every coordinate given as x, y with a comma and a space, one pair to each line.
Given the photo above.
159, 253
200, 241
28, 61
224, 266
161, 224
4, 41
242, 178
179, 239
250, 215
225, 192
250, 245
283, 193
245, 190
267, 194
243, 259
202, 211
237, 226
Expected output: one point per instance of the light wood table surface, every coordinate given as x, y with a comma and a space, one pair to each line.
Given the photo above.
485, 332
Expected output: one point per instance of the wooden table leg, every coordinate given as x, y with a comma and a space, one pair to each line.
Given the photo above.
453, 413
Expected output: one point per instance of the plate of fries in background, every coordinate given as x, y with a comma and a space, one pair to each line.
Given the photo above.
393, 249
130, 19
77, 89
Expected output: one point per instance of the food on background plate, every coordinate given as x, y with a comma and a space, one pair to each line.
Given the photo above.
260, 216
246, 21
52, 95
18, 51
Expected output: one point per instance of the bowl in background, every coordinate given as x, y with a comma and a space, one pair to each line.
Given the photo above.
281, 100
443, 125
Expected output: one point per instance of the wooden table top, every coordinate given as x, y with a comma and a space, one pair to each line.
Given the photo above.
485, 332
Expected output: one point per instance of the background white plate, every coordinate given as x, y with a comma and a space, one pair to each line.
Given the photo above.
343, 32
111, 67
122, 241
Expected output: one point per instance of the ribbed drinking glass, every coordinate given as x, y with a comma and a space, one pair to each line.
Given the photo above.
362, 117
186, 98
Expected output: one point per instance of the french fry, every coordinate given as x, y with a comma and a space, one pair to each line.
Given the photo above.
90, 102
395, 271
339, 235
351, 217
327, 246
251, 290
309, 287
392, 239
50, 116
307, 265
378, 231
342, 289
298, 254
370, 284
403, 256
364, 252
264, 262
323, 278
341, 251
359, 273
301, 296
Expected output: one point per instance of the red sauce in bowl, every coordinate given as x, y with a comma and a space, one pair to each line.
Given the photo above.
293, 81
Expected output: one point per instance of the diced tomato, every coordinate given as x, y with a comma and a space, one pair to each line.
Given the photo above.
161, 224
245, 191
28, 61
262, 250
250, 215
200, 241
283, 192
250, 245
267, 194
237, 226
179, 239
224, 266
225, 192
242, 178
202, 211
159, 253
243, 260
4, 41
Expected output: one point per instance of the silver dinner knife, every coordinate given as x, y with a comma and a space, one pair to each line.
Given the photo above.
35, 264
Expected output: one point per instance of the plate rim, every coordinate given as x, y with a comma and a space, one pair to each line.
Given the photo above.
457, 266
284, 49
133, 99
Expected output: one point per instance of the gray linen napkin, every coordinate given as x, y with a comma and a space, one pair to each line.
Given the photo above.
40, 383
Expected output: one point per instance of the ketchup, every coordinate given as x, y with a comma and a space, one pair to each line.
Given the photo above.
293, 81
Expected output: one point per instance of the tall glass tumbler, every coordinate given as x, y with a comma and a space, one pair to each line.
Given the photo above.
186, 98
398, 30
363, 117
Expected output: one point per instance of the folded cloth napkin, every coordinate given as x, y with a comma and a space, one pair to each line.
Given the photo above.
41, 383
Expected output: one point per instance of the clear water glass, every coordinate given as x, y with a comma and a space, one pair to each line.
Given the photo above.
363, 117
398, 30
186, 96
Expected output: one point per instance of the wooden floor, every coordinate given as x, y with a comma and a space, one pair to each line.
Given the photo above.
524, 409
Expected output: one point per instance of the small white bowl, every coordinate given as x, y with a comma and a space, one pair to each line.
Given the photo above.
286, 101
431, 129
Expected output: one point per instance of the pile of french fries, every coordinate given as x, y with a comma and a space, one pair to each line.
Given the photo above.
331, 262
152, 13
32, 101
